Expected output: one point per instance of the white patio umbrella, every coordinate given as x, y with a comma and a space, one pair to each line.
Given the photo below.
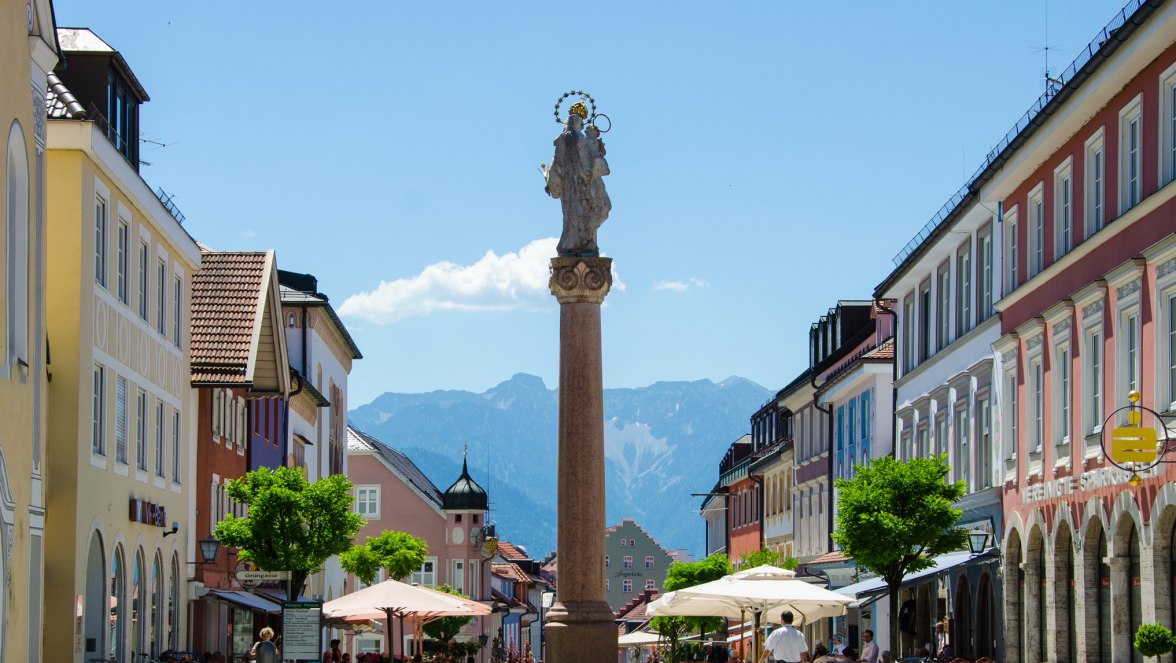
762, 591
393, 598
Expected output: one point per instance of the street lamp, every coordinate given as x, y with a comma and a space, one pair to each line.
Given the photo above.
208, 549
977, 542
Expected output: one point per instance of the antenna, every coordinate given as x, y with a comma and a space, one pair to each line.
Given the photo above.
1052, 84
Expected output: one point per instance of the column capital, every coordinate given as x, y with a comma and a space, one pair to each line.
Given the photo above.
580, 280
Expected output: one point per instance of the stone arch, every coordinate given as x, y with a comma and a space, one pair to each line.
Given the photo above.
1126, 575
1036, 621
963, 636
1095, 596
1163, 554
986, 640
1064, 624
1013, 522
1092, 511
1014, 588
95, 605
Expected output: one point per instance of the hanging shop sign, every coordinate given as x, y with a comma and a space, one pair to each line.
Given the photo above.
148, 513
1137, 447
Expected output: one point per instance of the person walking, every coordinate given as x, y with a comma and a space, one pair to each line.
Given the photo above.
786, 644
869, 648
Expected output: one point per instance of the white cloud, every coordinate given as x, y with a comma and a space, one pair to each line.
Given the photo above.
510, 282
249, 234
680, 286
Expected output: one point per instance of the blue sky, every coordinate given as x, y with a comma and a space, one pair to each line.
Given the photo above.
768, 158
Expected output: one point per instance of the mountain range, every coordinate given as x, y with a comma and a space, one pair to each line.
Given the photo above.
662, 443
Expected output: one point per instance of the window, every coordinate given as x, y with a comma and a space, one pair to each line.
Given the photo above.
943, 308
161, 297
124, 258
627, 586
1168, 126
941, 430
177, 457
924, 440
1037, 405
1011, 255
839, 442
649, 561
628, 561
963, 290
159, 449
217, 405
1061, 372
367, 501
1170, 332
426, 575
963, 459
457, 576
177, 305
100, 220
120, 420
850, 436
1036, 232
1131, 351
1094, 381
1095, 192
606, 561
141, 430
908, 335
98, 434
624, 542
650, 583
1063, 211
1010, 416
1130, 156
143, 262
924, 321
632, 542
865, 428
983, 442
984, 256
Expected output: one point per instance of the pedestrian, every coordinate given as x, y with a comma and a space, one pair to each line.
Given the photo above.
264, 650
786, 644
869, 648
332, 654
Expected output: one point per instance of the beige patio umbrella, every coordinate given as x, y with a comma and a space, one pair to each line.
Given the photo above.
392, 598
764, 591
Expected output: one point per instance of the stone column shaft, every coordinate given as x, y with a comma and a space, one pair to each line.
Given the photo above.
580, 624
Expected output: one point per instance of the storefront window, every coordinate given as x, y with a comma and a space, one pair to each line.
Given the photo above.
173, 607
155, 626
137, 603
242, 631
118, 606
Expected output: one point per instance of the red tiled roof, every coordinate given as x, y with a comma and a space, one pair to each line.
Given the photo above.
511, 571
225, 295
635, 609
830, 558
884, 351
509, 551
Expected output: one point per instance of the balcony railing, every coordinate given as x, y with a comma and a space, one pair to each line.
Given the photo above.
1054, 84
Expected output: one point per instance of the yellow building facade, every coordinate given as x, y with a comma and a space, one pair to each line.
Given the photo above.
121, 420
28, 51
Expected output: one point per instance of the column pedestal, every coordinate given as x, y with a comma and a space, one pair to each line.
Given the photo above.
580, 625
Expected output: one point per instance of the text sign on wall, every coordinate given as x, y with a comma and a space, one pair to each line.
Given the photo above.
301, 630
147, 513
1103, 477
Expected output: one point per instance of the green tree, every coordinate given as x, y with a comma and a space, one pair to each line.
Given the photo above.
398, 553
445, 628
681, 575
291, 525
759, 558
894, 516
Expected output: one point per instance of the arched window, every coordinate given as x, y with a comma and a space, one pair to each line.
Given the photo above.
97, 600
985, 619
173, 606
118, 607
155, 625
138, 593
16, 218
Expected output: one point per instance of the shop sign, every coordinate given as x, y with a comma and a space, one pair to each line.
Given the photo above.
147, 513
1103, 477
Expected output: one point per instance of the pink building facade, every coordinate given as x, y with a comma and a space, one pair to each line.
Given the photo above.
1088, 314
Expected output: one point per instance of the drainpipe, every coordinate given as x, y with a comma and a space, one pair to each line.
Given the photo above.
893, 380
829, 413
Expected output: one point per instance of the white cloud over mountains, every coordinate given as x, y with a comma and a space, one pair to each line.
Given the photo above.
514, 281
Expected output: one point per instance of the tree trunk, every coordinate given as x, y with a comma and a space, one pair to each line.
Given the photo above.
296, 584
895, 636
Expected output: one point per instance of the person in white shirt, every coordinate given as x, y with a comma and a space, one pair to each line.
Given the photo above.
786, 644
869, 648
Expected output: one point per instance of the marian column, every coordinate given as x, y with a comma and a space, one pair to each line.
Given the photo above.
580, 624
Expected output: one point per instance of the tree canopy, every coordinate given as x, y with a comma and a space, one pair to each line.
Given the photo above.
398, 553
291, 525
764, 556
681, 575
894, 516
